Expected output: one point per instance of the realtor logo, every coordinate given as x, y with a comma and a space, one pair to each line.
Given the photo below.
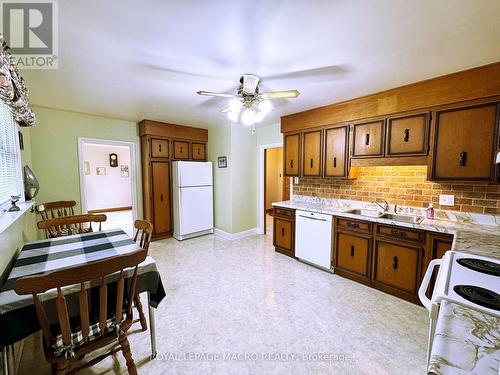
30, 30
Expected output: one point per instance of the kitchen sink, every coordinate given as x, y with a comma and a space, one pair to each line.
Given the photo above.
402, 218
364, 212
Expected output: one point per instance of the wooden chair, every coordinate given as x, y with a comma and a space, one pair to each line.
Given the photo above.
67, 225
52, 210
65, 343
143, 233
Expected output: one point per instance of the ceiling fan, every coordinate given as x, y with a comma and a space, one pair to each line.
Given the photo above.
249, 101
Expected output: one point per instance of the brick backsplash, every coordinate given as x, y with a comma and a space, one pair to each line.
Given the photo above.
405, 186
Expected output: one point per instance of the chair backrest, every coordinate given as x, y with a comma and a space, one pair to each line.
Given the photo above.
52, 210
79, 275
67, 225
143, 232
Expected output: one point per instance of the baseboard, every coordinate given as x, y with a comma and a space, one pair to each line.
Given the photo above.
101, 210
235, 236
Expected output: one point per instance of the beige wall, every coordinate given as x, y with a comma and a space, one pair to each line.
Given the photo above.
54, 149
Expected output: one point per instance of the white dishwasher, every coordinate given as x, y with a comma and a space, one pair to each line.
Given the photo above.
313, 238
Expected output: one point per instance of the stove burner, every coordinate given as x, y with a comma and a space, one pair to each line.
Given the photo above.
478, 295
480, 265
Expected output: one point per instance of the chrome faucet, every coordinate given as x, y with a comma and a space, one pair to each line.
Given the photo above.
385, 207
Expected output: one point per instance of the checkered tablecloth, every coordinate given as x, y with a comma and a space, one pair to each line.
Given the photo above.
17, 313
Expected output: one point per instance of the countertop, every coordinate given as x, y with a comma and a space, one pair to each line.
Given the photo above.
473, 233
466, 342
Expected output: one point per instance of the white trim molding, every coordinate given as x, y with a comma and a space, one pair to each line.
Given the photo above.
260, 204
235, 236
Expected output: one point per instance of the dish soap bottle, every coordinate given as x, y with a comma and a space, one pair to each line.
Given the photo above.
429, 213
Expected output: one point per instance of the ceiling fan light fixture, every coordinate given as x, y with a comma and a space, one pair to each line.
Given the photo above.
235, 104
265, 106
248, 117
233, 116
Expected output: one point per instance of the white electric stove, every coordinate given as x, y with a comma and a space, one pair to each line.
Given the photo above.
469, 280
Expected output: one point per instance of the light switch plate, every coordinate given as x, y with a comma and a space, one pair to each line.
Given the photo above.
446, 200
295, 180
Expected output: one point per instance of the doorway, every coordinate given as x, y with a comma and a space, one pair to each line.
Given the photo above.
107, 181
273, 186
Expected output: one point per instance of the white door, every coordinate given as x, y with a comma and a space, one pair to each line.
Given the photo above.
196, 209
192, 173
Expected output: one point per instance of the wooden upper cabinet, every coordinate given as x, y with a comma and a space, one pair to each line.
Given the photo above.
464, 143
161, 197
311, 160
408, 135
181, 150
368, 139
335, 160
159, 148
198, 151
292, 153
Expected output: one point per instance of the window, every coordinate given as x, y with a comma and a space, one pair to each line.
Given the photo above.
10, 158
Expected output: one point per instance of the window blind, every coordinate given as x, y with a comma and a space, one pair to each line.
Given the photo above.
10, 176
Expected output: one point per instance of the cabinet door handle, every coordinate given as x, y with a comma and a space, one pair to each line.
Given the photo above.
312, 163
352, 250
161, 197
399, 233
181, 150
407, 135
282, 232
198, 150
334, 162
367, 139
395, 263
462, 160
352, 225
291, 163
159, 147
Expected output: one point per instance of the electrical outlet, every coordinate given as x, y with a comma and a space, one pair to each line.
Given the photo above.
295, 180
446, 200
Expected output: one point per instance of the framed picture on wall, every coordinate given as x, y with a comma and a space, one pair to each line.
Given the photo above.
100, 171
222, 162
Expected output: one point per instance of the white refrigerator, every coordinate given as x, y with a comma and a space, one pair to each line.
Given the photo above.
192, 193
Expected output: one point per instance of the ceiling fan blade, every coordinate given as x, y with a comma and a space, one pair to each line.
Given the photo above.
250, 83
208, 93
225, 110
319, 73
288, 94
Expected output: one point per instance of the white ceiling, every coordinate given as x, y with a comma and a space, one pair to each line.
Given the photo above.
146, 59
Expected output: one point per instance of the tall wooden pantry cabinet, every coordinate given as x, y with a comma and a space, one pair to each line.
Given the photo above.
161, 144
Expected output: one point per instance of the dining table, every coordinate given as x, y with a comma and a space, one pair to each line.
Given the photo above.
18, 318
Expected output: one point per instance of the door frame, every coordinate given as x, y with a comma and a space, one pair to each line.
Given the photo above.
100, 141
262, 178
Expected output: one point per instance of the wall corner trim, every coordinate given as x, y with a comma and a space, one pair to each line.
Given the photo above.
235, 236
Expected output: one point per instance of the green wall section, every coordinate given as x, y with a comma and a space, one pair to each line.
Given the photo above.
244, 178
219, 144
54, 149
236, 187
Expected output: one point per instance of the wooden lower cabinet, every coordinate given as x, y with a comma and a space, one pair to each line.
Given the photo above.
352, 254
396, 269
385, 257
284, 231
162, 223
